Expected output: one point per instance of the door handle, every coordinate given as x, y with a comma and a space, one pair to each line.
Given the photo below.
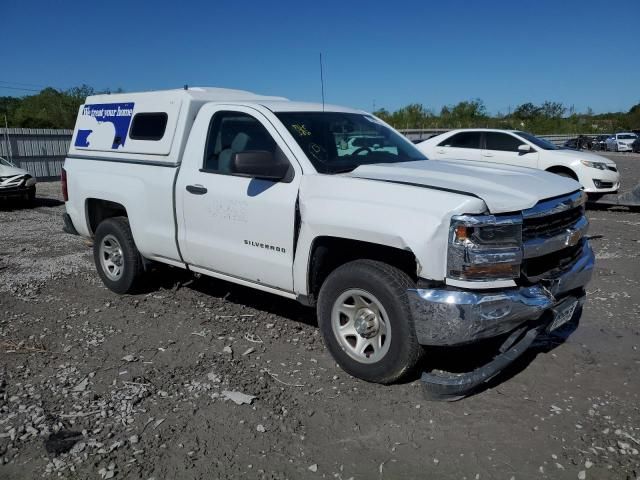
485, 154
441, 150
196, 189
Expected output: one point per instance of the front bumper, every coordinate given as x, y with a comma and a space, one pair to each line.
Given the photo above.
600, 181
447, 317
19, 191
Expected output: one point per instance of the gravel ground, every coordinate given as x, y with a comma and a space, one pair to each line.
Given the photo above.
197, 378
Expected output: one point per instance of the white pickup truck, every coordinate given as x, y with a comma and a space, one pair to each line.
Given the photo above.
333, 208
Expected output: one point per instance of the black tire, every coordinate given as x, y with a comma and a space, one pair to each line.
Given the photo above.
31, 196
132, 267
389, 286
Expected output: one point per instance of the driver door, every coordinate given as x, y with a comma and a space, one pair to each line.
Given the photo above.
502, 148
234, 225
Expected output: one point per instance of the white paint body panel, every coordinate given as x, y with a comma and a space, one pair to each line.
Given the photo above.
504, 189
406, 206
216, 227
145, 191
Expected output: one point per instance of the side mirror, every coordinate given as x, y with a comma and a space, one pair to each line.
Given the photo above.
524, 148
259, 164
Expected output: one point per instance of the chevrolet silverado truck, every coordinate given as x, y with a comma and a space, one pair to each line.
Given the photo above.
333, 208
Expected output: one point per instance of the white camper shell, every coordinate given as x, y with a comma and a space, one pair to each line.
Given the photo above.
148, 127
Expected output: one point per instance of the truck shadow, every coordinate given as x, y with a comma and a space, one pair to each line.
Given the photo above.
461, 359
13, 204
168, 278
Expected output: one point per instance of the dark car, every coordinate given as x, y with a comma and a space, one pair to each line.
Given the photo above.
599, 143
635, 146
581, 142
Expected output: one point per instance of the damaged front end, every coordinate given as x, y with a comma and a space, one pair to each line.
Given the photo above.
20, 185
549, 267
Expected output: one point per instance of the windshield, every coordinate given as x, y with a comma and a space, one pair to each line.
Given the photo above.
538, 142
626, 136
340, 142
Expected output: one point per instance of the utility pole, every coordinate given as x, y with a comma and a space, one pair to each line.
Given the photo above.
6, 139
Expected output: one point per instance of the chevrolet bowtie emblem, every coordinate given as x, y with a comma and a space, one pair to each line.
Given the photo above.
573, 237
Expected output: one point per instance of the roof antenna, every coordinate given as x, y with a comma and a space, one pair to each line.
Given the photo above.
322, 81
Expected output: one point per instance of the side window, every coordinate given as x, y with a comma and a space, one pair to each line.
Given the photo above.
462, 140
148, 126
502, 142
233, 132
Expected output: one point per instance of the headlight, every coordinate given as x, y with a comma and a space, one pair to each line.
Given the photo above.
485, 247
598, 165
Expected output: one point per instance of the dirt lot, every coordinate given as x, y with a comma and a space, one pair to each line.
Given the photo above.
138, 382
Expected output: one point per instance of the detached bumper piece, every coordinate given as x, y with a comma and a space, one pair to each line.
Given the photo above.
453, 386
628, 199
447, 317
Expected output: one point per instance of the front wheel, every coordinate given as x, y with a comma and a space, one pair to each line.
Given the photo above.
116, 256
31, 196
365, 319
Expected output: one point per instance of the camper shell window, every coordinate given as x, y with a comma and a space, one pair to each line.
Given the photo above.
148, 126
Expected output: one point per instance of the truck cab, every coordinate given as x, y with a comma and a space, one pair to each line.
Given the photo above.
331, 207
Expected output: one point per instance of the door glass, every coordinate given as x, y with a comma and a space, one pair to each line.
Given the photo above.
462, 140
502, 142
231, 133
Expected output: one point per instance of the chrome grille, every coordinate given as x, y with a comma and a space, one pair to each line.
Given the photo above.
551, 264
550, 225
551, 234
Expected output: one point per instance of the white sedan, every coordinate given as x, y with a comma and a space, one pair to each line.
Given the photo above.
596, 174
621, 142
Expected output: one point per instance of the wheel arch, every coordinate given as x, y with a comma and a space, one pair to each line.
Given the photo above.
559, 169
97, 210
328, 253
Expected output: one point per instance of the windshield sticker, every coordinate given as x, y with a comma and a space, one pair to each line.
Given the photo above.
104, 126
301, 130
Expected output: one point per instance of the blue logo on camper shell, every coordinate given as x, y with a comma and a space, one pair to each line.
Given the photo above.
119, 114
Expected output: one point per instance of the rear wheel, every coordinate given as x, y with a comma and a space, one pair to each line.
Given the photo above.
365, 320
116, 256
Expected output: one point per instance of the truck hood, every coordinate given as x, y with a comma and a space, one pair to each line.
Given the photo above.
503, 188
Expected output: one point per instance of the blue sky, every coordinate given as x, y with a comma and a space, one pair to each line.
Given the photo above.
582, 53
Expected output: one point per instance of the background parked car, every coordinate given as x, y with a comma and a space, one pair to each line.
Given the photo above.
579, 143
596, 174
621, 142
635, 146
599, 142
16, 182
